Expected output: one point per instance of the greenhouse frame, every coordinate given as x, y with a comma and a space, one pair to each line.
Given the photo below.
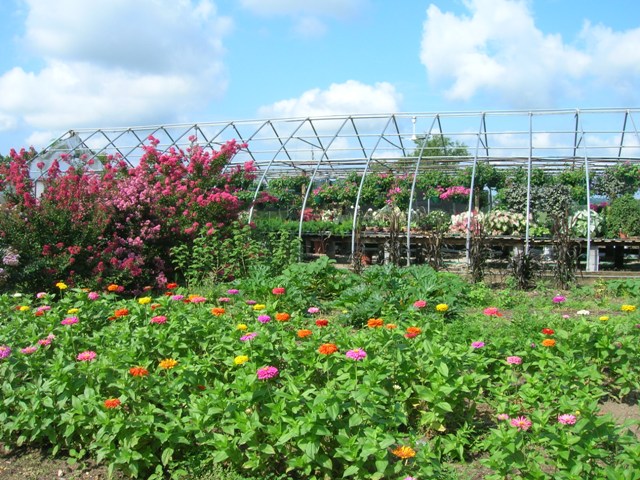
329, 148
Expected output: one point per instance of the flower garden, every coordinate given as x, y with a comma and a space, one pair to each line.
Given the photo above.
145, 325
398, 373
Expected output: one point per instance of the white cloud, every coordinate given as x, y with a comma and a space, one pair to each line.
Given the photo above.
325, 8
115, 62
499, 51
340, 98
309, 16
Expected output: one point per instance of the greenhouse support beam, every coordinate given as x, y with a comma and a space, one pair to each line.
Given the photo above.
473, 185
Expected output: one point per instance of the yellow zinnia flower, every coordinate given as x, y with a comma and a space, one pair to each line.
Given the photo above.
259, 306
242, 327
24, 308
144, 300
61, 285
442, 307
168, 363
628, 308
71, 311
604, 318
240, 359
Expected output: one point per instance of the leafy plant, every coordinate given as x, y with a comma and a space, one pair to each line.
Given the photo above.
623, 216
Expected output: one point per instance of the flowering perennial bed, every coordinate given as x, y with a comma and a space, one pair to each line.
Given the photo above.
152, 384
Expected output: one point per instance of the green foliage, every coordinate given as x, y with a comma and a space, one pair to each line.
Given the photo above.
617, 180
623, 215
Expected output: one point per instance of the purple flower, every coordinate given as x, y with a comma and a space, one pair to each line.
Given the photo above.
93, 295
264, 318
567, 419
477, 344
356, 354
249, 336
521, 423
5, 351
86, 356
250, 302
266, 373
233, 291
514, 360
69, 321
559, 299
176, 298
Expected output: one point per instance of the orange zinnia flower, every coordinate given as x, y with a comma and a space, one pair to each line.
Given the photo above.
112, 403
413, 332
217, 311
390, 326
328, 348
304, 333
404, 452
375, 323
283, 317
112, 288
548, 342
138, 371
121, 312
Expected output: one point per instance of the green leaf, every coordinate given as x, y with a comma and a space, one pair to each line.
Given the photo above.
167, 455
220, 456
352, 470
355, 420
268, 449
443, 369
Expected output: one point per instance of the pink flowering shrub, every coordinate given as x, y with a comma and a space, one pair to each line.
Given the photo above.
117, 224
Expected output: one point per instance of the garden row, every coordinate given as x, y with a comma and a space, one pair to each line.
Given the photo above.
318, 373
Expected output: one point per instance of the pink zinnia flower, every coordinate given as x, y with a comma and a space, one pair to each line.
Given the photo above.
521, 423
69, 321
559, 299
5, 351
492, 312
224, 299
356, 354
86, 356
41, 295
514, 360
158, 319
502, 417
313, 310
419, 304
264, 318
250, 302
198, 299
44, 341
176, 298
248, 336
93, 295
266, 373
29, 350
278, 291
567, 419
233, 291
477, 344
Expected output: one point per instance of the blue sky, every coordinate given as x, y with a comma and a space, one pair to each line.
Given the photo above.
102, 63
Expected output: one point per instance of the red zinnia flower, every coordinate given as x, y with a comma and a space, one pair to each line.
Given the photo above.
171, 286
278, 291
322, 322
138, 371
112, 403
548, 331
327, 348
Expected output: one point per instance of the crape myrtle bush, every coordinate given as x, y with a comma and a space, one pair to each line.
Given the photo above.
115, 225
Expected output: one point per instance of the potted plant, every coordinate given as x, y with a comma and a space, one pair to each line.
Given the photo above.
622, 216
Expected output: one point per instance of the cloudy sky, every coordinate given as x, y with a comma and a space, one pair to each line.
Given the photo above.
102, 63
